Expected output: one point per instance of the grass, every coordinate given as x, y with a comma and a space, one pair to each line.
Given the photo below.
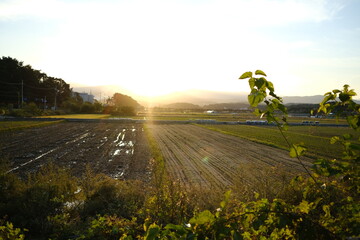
79, 116
231, 117
316, 139
17, 125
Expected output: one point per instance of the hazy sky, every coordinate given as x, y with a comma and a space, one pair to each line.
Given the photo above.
152, 47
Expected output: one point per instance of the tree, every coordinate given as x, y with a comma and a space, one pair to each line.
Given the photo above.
21, 83
121, 104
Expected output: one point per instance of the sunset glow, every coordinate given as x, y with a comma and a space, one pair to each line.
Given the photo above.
156, 47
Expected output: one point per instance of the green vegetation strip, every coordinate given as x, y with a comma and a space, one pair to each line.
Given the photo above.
316, 140
79, 116
17, 125
155, 150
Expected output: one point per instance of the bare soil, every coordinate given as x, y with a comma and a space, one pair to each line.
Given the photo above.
200, 157
118, 150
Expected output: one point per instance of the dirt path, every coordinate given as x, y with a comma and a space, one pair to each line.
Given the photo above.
205, 158
118, 150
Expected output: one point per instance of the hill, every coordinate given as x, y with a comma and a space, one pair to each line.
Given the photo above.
182, 106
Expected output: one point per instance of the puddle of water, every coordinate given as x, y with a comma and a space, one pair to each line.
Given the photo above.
32, 160
117, 152
121, 144
78, 138
118, 175
117, 138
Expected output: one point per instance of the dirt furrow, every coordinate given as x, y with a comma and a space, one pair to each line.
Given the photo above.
213, 159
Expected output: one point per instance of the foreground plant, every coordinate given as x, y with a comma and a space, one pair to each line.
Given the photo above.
325, 205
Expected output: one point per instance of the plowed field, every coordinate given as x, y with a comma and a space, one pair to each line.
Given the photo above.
118, 150
201, 157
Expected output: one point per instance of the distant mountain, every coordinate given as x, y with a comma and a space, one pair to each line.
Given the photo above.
197, 97
182, 106
203, 97
225, 106
303, 99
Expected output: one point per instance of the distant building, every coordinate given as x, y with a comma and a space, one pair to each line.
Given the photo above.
85, 96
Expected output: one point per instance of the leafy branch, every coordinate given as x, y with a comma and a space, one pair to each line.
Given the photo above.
261, 91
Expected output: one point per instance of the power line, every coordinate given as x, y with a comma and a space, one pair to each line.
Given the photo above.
10, 83
39, 87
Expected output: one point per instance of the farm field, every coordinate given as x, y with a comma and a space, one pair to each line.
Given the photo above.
17, 125
118, 150
209, 156
315, 138
196, 156
226, 117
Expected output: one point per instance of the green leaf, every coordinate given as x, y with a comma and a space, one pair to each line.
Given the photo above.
226, 200
334, 139
282, 108
304, 206
297, 150
344, 97
255, 98
327, 98
353, 121
347, 136
246, 75
260, 83
252, 83
178, 228
259, 72
270, 86
202, 218
152, 232
326, 209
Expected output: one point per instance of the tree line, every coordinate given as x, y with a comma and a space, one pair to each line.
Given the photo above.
21, 84
27, 92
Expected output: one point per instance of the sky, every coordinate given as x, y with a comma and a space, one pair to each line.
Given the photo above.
306, 47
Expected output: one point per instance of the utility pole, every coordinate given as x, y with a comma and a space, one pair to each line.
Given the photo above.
18, 98
22, 93
55, 99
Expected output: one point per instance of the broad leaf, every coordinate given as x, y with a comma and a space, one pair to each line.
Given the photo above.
259, 72
252, 83
202, 218
353, 121
297, 150
255, 98
246, 75
334, 139
152, 232
260, 83
304, 206
270, 86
